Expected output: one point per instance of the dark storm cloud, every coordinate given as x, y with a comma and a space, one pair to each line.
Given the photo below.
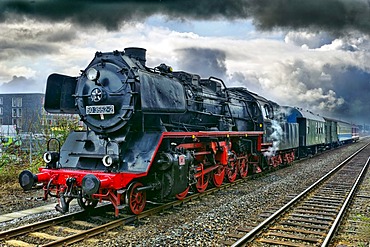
329, 15
334, 90
61, 36
332, 15
353, 84
203, 61
40, 33
14, 49
33, 41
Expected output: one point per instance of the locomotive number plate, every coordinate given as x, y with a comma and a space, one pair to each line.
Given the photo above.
100, 109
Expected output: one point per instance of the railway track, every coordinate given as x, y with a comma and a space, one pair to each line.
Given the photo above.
312, 217
355, 227
79, 226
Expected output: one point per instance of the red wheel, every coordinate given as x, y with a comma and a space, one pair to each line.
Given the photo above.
183, 194
219, 175
243, 167
136, 199
202, 180
279, 160
232, 169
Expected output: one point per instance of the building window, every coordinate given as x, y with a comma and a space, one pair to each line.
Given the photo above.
17, 122
1, 101
1, 111
17, 102
17, 112
1, 121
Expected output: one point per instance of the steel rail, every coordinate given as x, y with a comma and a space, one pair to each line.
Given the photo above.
40, 225
345, 205
48, 222
92, 232
126, 220
251, 234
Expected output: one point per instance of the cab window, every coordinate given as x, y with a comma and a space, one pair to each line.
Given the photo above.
268, 112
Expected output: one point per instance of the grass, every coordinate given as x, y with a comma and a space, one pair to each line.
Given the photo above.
13, 160
11, 164
364, 229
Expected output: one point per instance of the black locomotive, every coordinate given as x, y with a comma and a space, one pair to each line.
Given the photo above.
153, 133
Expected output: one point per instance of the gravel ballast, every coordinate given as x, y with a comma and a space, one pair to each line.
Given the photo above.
208, 221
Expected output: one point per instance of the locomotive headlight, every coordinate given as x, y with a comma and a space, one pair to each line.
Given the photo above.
92, 74
109, 160
51, 157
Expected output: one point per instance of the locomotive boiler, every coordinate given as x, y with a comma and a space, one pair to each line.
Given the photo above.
152, 134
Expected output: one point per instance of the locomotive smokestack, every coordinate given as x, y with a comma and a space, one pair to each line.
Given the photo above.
136, 53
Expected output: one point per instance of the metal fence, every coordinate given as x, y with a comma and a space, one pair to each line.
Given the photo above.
22, 145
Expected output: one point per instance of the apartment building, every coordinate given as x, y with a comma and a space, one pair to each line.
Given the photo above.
23, 110
26, 112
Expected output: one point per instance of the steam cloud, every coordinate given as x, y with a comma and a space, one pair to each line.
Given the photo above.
276, 137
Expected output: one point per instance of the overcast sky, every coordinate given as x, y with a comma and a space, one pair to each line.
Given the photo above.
308, 53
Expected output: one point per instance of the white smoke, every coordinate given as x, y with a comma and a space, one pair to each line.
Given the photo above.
276, 137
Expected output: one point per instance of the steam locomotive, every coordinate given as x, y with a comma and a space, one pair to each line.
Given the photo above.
156, 134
